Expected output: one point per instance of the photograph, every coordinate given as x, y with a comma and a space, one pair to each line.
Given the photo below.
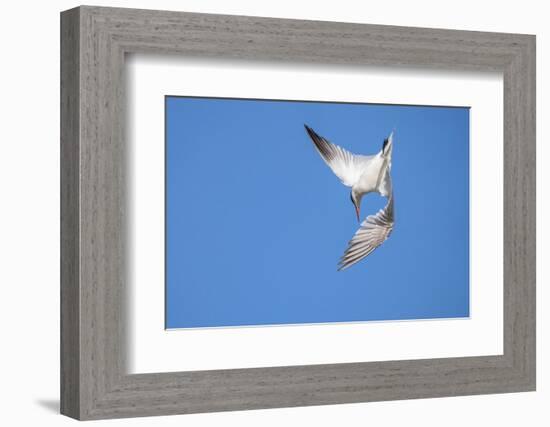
285, 212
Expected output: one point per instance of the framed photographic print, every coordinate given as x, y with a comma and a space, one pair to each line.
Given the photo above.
263, 213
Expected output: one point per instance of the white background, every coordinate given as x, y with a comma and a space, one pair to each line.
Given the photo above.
152, 349
29, 218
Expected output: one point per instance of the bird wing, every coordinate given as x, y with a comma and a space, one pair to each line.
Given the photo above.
374, 231
347, 166
384, 184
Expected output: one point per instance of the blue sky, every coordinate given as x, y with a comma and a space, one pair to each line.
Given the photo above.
256, 222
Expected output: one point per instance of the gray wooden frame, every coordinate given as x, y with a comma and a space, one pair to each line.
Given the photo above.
94, 382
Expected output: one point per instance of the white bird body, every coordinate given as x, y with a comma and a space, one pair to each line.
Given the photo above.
375, 176
364, 174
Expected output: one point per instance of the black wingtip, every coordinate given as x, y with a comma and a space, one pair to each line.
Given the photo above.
312, 134
384, 145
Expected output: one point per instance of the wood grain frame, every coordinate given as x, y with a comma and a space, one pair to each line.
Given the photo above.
94, 381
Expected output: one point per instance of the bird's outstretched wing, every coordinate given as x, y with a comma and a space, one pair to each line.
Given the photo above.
374, 231
347, 166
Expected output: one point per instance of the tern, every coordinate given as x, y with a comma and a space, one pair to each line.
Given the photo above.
364, 174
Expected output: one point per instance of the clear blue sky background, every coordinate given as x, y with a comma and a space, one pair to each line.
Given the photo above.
256, 222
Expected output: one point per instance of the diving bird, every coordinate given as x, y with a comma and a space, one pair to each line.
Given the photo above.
364, 174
